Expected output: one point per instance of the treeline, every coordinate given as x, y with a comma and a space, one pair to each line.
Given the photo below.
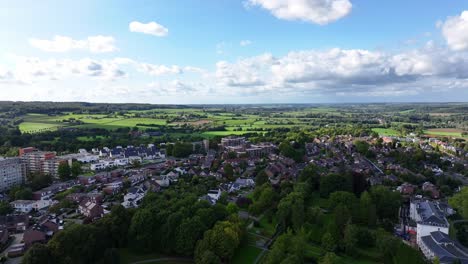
346, 219
175, 222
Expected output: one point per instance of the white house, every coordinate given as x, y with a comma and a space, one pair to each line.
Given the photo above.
26, 206
429, 217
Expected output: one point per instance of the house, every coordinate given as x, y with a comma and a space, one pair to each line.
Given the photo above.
85, 180
15, 223
152, 185
240, 184
26, 206
406, 188
134, 196
431, 189
32, 236
440, 245
163, 181
90, 209
429, 217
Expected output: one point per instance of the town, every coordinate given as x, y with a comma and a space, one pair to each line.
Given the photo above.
81, 188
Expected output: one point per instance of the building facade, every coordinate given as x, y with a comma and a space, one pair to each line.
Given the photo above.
12, 173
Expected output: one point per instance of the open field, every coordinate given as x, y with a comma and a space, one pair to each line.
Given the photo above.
447, 132
386, 131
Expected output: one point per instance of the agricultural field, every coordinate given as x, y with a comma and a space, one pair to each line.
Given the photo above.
445, 132
386, 131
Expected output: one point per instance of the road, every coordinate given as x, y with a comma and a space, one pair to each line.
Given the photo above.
17, 239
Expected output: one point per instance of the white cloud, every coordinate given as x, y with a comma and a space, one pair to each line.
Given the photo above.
246, 72
340, 71
95, 44
315, 11
151, 28
30, 70
157, 70
455, 31
244, 43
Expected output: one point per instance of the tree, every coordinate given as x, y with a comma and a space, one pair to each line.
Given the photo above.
228, 171
261, 178
5, 208
232, 208
287, 247
350, 239
460, 202
223, 239
329, 258
386, 202
328, 242
367, 210
291, 211
78, 244
208, 257
362, 147
64, 170
335, 182
38, 254
76, 169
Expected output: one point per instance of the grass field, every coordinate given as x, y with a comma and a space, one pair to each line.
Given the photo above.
33, 127
386, 131
446, 132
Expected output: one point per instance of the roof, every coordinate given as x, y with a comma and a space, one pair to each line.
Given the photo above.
445, 248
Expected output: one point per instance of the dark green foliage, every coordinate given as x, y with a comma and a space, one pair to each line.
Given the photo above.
64, 171
335, 182
5, 208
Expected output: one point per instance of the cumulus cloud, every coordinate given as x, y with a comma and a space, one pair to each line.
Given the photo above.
315, 11
157, 70
151, 28
244, 43
341, 71
95, 44
246, 72
455, 31
31, 69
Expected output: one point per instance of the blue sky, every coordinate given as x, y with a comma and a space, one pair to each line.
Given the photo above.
226, 51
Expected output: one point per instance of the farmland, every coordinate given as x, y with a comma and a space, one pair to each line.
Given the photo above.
216, 120
446, 132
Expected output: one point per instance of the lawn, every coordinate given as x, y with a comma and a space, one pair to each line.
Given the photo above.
385, 131
33, 127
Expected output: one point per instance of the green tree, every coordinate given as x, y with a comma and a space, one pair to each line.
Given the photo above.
335, 182
460, 202
5, 208
223, 240
328, 242
76, 169
261, 178
329, 258
287, 247
229, 171
38, 254
64, 170
350, 239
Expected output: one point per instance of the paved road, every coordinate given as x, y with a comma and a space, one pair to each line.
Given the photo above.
17, 239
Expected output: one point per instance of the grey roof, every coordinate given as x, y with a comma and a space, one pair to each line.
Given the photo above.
431, 214
445, 248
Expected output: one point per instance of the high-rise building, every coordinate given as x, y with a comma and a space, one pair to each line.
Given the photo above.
40, 161
12, 173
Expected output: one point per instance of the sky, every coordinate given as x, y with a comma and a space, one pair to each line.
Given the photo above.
234, 51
